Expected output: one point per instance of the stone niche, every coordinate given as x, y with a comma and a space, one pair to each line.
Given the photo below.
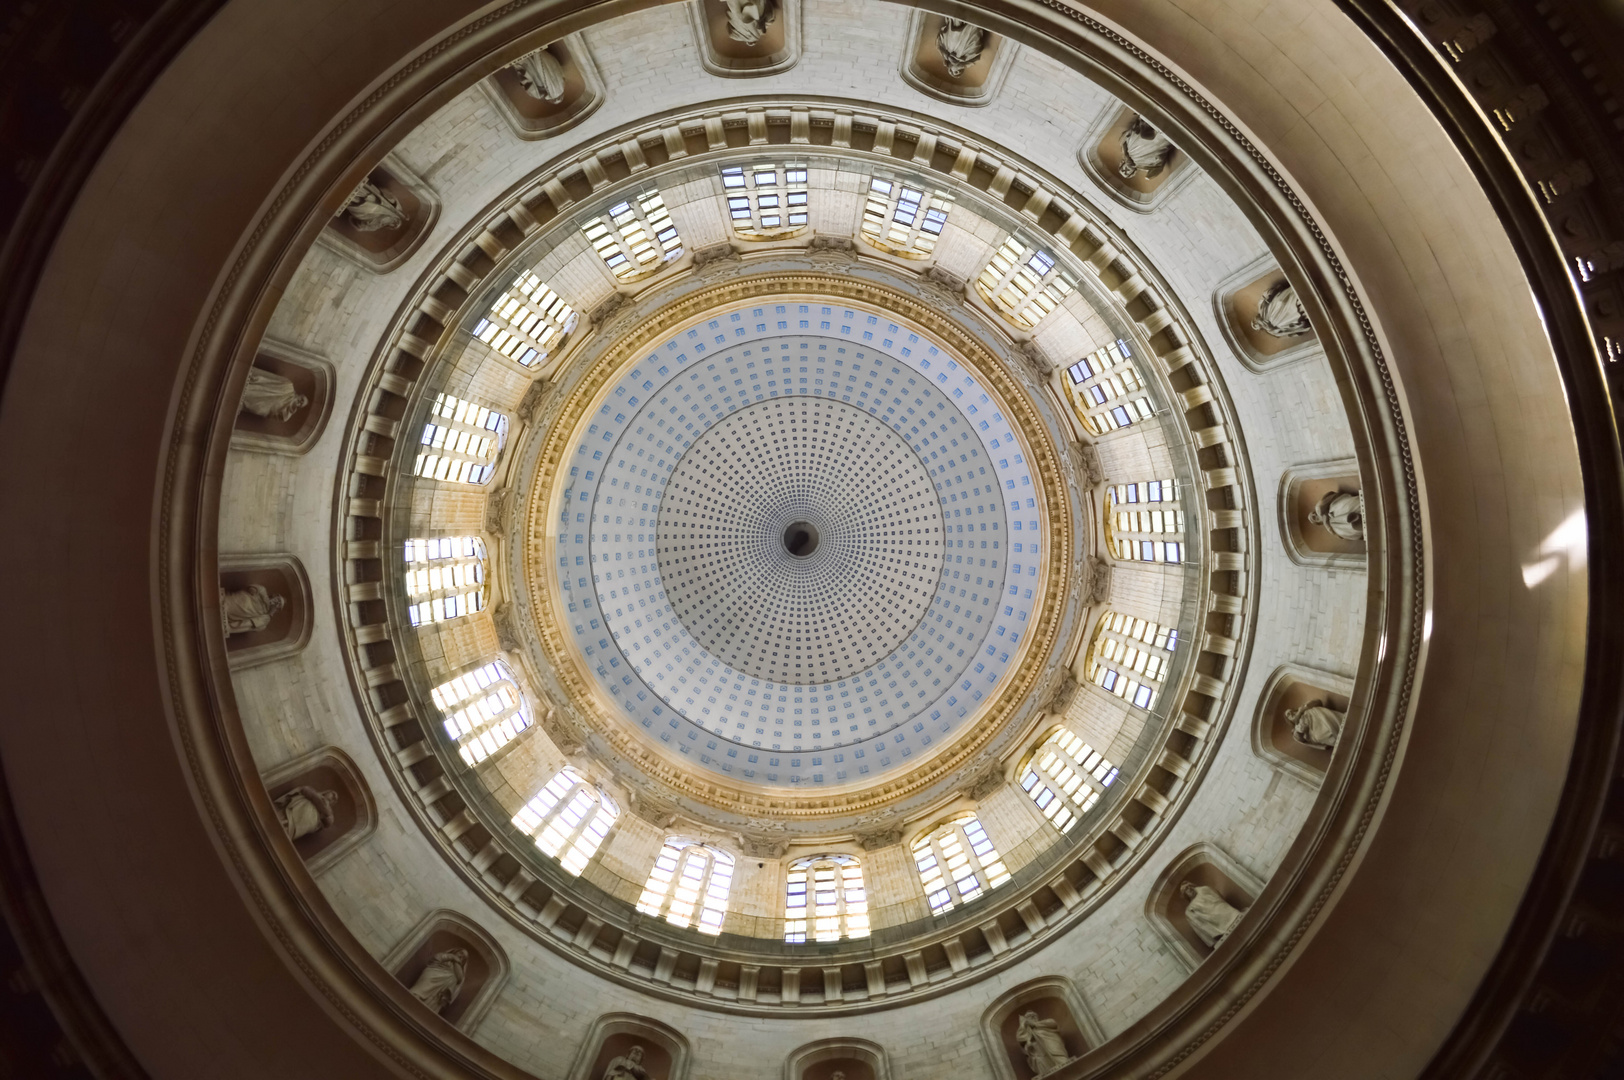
1054, 999
853, 1059
925, 69
1236, 302
250, 587
1291, 687
613, 1035
722, 53
531, 117
290, 428
486, 972
1302, 491
354, 814
381, 250
1104, 151
1202, 864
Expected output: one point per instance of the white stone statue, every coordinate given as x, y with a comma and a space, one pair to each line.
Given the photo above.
1144, 149
541, 75
1210, 915
243, 611
1280, 314
1316, 724
372, 209
629, 1066
305, 810
960, 44
271, 395
747, 20
1040, 1041
1341, 513
441, 981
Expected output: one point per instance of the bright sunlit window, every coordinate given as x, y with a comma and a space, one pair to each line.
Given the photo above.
484, 710
1143, 521
903, 219
569, 819
957, 862
1107, 390
1130, 657
689, 885
767, 201
824, 898
1022, 283
527, 322
1066, 777
461, 441
445, 577
636, 237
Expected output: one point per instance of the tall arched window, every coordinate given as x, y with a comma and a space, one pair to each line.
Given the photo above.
1143, 521
902, 219
461, 441
689, 885
957, 862
1129, 657
1066, 777
445, 577
527, 321
568, 818
767, 201
1022, 283
825, 892
636, 237
484, 710
1107, 390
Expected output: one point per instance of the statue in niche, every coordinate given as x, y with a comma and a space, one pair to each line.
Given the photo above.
961, 44
271, 396
1210, 915
242, 611
1144, 150
441, 980
628, 1066
305, 810
372, 209
1341, 513
541, 75
1316, 724
747, 20
1040, 1041
1280, 314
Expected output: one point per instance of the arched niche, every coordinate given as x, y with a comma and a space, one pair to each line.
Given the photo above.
381, 250
532, 117
1291, 687
352, 812
267, 420
487, 967
1236, 302
854, 1059
1105, 150
613, 1035
1303, 491
1201, 864
1053, 998
724, 44
266, 608
924, 68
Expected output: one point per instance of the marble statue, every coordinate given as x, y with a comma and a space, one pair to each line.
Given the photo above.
1341, 513
1040, 1041
1144, 149
305, 810
441, 981
837, 1075
541, 75
243, 611
271, 395
747, 20
1210, 915
372, 209
1280, 314
629, 1066
960, 44
1316, 724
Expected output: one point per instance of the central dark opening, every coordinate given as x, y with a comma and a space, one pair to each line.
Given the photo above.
801, 539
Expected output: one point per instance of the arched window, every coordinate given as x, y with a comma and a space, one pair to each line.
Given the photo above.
1022, 283
689, 885
1129, 657
636, 237
1107, 390
956, 862
569, 819
1143, 521
527, 321
484, 710
827, 892
461, 441
766, 202
1066, 777
903, 220
445, 577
